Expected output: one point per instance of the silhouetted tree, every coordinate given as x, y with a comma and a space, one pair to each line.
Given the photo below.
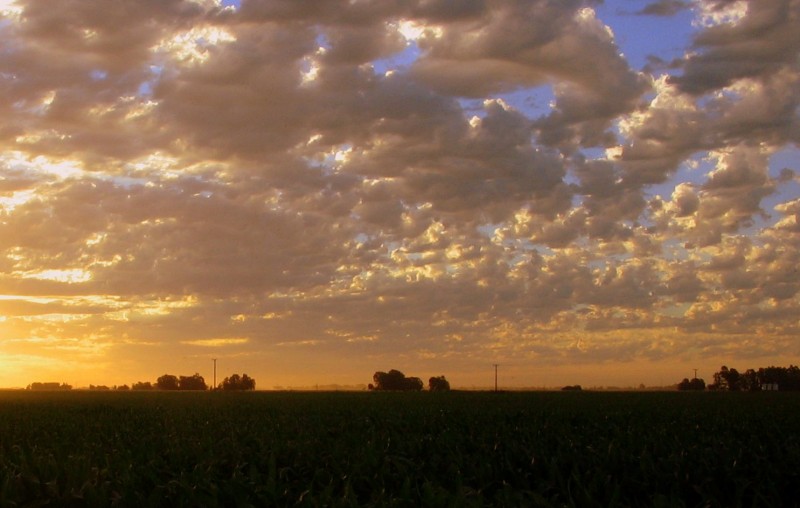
728, 380
168, 382
695, 384
749, 381
142, 385
792, 379
396, 380
572, 388
413, 384
438, 384
195, 382
236, 382
122, 388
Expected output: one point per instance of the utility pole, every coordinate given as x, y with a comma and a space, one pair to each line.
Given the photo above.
215, 374
495, 377
695, 373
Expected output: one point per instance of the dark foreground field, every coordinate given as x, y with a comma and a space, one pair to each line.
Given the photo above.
396, 449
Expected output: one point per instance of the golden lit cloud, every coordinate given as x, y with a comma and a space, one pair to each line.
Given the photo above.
70, 276
193, 47
216, 342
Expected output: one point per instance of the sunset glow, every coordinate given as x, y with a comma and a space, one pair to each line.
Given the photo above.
583, 193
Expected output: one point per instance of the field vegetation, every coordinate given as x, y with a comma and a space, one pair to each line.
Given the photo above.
584, 449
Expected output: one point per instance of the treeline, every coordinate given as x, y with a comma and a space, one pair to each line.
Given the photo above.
765, 378
185, 383
394, 380
168, 382
49, 386
196, 382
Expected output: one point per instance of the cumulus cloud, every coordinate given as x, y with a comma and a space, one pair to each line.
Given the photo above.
755, 40
180, 179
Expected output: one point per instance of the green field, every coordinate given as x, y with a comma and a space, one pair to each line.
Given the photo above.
399, 449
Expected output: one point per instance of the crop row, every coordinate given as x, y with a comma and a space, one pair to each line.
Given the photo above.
399, 449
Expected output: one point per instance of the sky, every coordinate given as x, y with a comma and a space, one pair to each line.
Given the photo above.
580, 192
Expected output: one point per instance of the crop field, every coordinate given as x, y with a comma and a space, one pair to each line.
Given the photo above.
399, 449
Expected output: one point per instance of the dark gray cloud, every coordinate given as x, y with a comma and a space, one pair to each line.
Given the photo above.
665, 8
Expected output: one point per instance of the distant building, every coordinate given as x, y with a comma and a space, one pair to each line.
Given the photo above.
769, 387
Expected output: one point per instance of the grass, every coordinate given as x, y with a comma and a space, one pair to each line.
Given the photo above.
399, 449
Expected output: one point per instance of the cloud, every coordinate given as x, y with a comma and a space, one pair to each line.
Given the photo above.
216, 342
664, 8
363, 180
754, 44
